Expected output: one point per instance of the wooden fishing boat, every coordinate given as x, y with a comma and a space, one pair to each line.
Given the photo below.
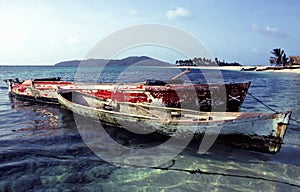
249, 69
254, 131
204, 97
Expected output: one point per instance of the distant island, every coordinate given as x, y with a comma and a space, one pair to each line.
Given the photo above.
136, 61
198, 61
143, 61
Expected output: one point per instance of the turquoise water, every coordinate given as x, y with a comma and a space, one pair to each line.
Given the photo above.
41, 148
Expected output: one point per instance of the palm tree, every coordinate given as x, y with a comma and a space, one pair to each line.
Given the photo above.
279, 58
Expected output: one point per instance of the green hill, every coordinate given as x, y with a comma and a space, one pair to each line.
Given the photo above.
138, 61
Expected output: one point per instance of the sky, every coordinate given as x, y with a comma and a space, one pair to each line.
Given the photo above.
39, 32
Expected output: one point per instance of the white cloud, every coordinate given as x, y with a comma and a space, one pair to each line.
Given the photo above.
269, 31
178, 12
133, 12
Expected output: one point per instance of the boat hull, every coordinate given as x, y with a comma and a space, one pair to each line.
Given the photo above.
203, 97
253, 131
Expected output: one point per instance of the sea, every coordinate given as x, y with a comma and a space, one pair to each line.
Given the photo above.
42, 148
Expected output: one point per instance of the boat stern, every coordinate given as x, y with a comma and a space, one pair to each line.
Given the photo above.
281, 121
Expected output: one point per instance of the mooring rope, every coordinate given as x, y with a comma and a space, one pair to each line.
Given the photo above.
190, 171
295, 120
267, 106
198, 171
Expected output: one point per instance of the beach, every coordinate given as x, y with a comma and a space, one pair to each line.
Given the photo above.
239, 68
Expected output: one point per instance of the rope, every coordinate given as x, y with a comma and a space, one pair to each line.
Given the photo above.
195, 171
198, 171
267, 106
263, 103
295, 120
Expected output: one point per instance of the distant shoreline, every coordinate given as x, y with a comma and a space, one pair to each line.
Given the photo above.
227, 68
239, 68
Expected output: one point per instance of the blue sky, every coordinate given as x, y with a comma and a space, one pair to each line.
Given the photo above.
50, 31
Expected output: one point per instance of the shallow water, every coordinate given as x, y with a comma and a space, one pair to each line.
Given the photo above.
41, 147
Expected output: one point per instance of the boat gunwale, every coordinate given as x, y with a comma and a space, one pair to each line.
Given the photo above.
101, 110
234, 115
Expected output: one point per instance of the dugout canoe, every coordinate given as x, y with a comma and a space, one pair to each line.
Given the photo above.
257, 131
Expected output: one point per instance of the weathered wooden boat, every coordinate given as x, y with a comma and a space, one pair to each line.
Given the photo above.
37, 90
254, 131
204, 97
169, 94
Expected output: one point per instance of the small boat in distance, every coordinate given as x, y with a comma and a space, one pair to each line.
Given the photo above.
249, 69
204, 97
262, 132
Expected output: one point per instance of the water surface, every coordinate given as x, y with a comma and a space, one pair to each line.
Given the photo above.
41, 148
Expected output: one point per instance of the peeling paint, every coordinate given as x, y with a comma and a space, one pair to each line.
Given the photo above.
203, 97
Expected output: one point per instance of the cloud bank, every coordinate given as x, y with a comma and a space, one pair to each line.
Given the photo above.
269, 31
178, 12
